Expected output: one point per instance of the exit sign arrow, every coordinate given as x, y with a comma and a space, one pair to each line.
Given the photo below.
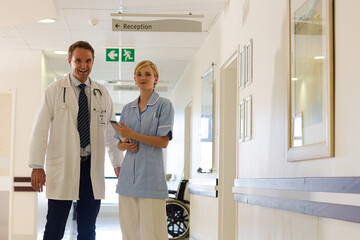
112, 55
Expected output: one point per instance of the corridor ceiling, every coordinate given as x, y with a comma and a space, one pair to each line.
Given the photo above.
171, 51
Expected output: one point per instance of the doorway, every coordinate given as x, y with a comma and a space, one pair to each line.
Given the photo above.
7, 106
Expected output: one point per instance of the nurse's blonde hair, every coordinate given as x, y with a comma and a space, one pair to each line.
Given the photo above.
146, 63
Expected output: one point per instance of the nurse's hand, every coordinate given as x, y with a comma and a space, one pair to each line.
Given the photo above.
125, 131
129, 146
38, 179
132, 147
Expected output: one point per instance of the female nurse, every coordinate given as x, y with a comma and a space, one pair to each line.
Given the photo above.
146, 123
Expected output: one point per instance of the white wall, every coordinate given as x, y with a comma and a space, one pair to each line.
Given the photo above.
21, 70
265, 155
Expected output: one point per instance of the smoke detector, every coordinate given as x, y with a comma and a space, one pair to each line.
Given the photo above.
93, 22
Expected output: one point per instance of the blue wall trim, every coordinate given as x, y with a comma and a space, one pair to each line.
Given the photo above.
196, 187
208, 193
325, 184
328, 210
321, 184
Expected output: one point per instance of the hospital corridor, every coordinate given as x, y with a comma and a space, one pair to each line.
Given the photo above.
189, 119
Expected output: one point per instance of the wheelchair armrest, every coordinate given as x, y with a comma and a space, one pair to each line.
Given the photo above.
172, 193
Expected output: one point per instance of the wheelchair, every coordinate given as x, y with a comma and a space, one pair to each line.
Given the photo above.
178, 213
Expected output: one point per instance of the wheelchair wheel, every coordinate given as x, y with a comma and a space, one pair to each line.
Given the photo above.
178, 216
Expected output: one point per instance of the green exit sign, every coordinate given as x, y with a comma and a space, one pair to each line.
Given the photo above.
112, 54
127, 55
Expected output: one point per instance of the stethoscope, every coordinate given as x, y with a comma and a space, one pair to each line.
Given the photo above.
94, 92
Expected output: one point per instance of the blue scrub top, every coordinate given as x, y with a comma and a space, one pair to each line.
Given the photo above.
142, 173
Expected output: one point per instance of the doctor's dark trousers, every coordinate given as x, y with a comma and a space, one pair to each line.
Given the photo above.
87, 209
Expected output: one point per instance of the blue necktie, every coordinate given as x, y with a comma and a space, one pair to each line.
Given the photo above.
83, 118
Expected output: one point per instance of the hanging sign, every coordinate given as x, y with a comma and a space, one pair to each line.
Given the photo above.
168, 25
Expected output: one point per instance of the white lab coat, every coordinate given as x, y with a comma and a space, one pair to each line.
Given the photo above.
56, 138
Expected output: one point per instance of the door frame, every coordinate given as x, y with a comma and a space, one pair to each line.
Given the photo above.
228, 147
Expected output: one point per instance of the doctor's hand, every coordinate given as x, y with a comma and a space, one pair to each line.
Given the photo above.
117, 171
129, 146
38, 177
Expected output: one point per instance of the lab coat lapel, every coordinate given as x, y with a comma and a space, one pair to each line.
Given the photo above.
94, 106
70, 97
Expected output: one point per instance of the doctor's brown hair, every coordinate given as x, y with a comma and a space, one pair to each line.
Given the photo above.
80, 44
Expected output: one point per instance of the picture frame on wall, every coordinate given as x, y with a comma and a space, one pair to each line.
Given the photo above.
242, 67
249, 62
248, 118
242, 120
311, 70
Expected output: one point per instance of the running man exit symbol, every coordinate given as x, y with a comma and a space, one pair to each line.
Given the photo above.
112, 54
127, 55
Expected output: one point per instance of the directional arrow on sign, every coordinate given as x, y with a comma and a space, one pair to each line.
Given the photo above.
112, 55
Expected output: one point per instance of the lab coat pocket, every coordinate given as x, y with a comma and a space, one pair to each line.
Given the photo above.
54, 169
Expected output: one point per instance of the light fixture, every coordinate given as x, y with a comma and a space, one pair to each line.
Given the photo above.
48, 20
132, 80
93, 22
294, 79
135, 88
61, 52
154, 15
319, 57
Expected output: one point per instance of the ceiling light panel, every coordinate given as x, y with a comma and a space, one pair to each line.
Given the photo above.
48, 20
89, 4
61, 52
53, 27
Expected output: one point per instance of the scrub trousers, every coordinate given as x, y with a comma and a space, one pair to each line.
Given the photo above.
87, 209
142, 218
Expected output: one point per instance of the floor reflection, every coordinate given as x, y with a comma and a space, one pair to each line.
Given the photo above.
106, 228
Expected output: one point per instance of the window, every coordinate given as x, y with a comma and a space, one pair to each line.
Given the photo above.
111, 197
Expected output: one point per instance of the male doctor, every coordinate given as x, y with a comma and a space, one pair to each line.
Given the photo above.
71, 131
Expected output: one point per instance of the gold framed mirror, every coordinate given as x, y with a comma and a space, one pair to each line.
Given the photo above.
311, 85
